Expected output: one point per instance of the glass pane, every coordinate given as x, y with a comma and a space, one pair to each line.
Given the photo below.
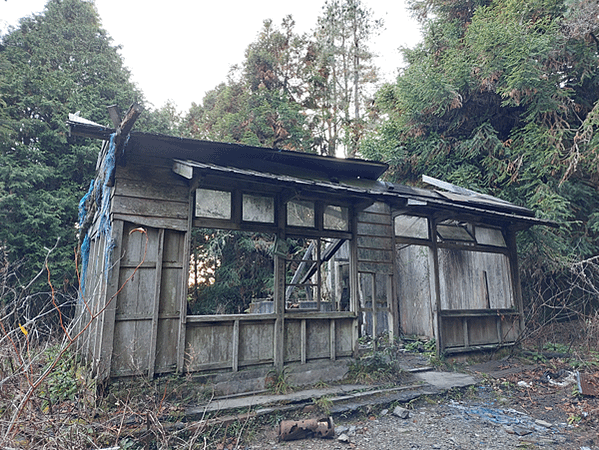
454, 231
490, 236
336, 218
258, 208
213, 204
411, 226
300, 214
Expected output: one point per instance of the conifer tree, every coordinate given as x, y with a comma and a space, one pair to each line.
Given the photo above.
55, 63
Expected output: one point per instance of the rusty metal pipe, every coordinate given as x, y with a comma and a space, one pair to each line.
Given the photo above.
290, 430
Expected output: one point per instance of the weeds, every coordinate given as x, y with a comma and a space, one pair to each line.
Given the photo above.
376, 367
277, 381
324, 404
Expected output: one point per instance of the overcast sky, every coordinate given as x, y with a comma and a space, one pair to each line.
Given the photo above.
180, 49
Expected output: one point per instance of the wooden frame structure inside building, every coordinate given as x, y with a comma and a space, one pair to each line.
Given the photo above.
375, 257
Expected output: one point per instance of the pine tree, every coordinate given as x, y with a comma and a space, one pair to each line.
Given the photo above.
55, 63
502, 97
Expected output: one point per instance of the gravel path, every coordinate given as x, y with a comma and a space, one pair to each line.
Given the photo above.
476, 423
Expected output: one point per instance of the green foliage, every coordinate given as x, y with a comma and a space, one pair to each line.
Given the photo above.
502, 97
67, 381
277, 381
376, 367
260, 104
53, 64
295, 92
324, 403
230, 270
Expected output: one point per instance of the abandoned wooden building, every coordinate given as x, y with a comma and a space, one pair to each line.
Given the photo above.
348, 256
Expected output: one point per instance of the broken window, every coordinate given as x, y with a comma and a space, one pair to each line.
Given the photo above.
490, 236
317, 275
213, 204
455, 231
231, 272
336, 218
300, 213
411, 227
258, 208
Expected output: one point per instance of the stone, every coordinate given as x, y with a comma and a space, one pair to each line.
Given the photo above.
341, 429
400, 412
384, 412
543, 423
343, 438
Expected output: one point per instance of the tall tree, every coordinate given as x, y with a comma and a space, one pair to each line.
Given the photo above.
502, 97
260, 104
342, 36
54, 63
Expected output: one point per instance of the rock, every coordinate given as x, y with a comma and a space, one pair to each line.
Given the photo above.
309, 408
543, 423
343, 438
519, 431
384, 412
341, 429
400, 412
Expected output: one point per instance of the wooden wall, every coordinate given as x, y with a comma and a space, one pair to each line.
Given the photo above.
143, 328
415, 289
375, 265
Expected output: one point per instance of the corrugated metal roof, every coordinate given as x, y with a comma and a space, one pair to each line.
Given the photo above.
353, 177
395, 193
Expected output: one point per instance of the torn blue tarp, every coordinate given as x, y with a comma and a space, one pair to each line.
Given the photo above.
101, 190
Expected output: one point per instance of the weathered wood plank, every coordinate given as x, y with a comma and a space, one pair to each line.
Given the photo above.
156, 305
154, 222
374, 242
370, 218
255, 341
208, 345
467, 277
292, 338
151, 189
368, 229
108, 324
149, 207
317, 335
414, 267
375, 255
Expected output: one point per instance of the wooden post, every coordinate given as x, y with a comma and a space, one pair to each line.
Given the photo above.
517, 288
354, 300
303, 341
332, 340
279, 293
437, 319
374, 310
157, 288
182, 329
279, 307
235, 343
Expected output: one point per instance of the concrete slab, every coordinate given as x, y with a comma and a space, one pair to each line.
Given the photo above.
445, 380
225, 404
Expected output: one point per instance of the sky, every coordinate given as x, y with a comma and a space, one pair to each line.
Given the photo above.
180, 49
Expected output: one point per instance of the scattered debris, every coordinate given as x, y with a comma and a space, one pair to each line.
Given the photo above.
290, 430
401, 412
588, 384
343, 438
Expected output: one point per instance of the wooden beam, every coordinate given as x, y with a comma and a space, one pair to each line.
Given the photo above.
115, 115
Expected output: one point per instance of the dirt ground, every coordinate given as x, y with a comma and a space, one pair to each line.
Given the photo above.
515, 404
